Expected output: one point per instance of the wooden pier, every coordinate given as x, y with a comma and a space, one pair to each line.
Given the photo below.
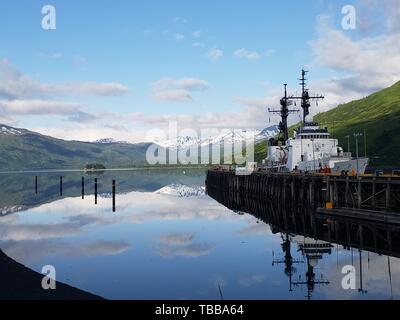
316, 190
374, 233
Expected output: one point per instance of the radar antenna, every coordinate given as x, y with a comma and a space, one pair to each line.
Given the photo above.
284, 112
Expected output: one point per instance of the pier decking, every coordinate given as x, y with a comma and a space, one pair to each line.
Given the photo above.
375, 231
316, 190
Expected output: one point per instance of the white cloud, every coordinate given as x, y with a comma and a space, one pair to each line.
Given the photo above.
365, 65
95, 88
52, 56
247, 54
147, 32
252, 280
376, 15
179, 37
198, 45
176, 239
15, 85
255, 102
197, 34
370, 55
190, 251
215, 54
79, 61
192, 84
177, 90
38, 107
173, 96
179, 20
270, 52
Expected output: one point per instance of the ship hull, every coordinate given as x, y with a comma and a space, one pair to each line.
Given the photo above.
337, 165
358, 166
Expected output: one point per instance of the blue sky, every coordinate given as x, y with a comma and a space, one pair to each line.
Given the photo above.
197, 61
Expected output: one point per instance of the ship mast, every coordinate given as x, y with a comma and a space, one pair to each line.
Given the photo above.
305, 96
284, 113
287, 101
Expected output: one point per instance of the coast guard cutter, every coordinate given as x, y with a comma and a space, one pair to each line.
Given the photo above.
311, 149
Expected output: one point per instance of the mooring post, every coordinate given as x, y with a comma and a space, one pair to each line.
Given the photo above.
311, 190
95, 190
375, 238
36, 184
346, 193
388, 194
329, 225
328, 196
348, 235
284, 190
292, 189
336, 224
335, 192
389, 240
360, 230
359, 193
113, 195
61, 185
83, 187
374, 193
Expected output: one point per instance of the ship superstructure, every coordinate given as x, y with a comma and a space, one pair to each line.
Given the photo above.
311, 149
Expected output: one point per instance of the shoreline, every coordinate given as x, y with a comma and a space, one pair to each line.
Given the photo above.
106, 170
21, 283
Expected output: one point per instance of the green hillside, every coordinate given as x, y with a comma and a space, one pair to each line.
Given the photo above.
378, 115
31, 151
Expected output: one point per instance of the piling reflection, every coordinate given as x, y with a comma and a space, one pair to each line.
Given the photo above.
165, 225
314, 236
22, 191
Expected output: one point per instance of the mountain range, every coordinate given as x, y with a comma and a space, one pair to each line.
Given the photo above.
228, 137
378, 116
22, 149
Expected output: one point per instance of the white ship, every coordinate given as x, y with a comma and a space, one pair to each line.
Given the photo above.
311, 149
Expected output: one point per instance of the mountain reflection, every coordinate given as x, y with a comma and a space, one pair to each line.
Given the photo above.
169, 240
18, 191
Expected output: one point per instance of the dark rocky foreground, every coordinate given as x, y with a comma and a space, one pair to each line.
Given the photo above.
20, 283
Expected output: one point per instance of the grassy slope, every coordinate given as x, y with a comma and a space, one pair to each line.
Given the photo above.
377, 114
33, 151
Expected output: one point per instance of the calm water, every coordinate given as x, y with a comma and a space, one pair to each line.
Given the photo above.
169, 240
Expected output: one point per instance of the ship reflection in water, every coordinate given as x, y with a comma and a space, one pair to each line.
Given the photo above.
315, 237
168, 239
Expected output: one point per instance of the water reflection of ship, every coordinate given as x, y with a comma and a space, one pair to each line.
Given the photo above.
299, 223
312, 251
379, 237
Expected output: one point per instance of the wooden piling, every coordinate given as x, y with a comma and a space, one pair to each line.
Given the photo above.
113, 195
83, 188
95, 191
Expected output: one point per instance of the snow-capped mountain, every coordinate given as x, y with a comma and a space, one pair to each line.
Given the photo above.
232, 136
182, 191
11, 209
109, 141
6, 130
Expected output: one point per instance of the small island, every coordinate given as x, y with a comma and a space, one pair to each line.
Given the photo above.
92, 167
